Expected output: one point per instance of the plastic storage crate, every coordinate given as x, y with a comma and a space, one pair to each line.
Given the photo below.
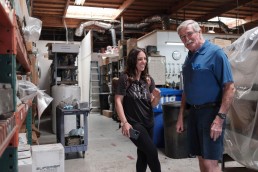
167, 95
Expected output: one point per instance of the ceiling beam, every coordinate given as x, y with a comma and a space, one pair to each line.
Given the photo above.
249, 19
65, 11
51, 21
179, 5
123, 7
31, 7
254, 17
223, 9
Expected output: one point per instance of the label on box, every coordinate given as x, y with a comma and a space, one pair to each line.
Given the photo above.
49, 157
24, 154
162, 100
65, 48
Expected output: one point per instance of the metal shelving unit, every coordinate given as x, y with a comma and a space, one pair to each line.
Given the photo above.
64, 68
94, 85
12, 48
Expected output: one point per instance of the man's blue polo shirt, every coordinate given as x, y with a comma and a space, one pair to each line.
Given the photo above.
204, 74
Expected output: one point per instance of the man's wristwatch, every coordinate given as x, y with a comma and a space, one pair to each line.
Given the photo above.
222, 115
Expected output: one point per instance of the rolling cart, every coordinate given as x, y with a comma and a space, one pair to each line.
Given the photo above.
83, 142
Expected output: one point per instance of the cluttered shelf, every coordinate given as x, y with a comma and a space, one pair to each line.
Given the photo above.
20, 50
11, 126
67, 82
67, 67
6, 29
5, 142
4, 11
11, 38
21, 114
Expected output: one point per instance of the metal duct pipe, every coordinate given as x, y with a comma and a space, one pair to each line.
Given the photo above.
165, 23
216, 24
79, 30
142, 24
156, 18
224, 27
135, 26
165, 20
113, 35
122, 28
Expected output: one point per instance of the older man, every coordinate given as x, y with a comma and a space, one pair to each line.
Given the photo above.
208, 92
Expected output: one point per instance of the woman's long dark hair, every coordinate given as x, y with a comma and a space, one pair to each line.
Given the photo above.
131, 62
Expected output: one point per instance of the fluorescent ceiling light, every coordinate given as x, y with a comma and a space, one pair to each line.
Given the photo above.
92, 13
79, 2
230, 22
174, 43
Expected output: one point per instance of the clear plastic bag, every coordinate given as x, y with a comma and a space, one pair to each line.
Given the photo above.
32, 30
241, 136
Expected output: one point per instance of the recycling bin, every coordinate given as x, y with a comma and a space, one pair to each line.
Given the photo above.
175, 143
167, 95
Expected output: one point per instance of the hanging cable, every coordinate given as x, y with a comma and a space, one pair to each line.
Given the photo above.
237, 15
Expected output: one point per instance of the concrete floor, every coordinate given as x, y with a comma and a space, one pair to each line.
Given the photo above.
109, 151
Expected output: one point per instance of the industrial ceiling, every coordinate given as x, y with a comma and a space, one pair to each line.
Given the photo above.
140, 17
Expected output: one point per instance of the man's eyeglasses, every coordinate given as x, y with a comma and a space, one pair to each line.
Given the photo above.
188, 34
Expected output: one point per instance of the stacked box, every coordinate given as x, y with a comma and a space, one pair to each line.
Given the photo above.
105, 61
131, 43
122, 48
221, 42
25, 165
31, 46
34, 69
107, 113
24, 154
48, 158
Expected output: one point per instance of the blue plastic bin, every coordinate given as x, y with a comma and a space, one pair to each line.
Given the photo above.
168, 95
158, 131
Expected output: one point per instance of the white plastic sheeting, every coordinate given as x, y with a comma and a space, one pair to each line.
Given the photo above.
60, 93
241, 136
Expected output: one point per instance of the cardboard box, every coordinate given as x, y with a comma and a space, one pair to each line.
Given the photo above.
113, 59
107, 113
30, 46
65, 48
25, 165
105, 61
23, 147
122, 42
6, 99
24, 154
221, 42
131, 43
23, 139
48, 158
34, 69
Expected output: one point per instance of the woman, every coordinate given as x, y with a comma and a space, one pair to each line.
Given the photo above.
135, 97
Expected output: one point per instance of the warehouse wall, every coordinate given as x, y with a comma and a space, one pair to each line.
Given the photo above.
84, 66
